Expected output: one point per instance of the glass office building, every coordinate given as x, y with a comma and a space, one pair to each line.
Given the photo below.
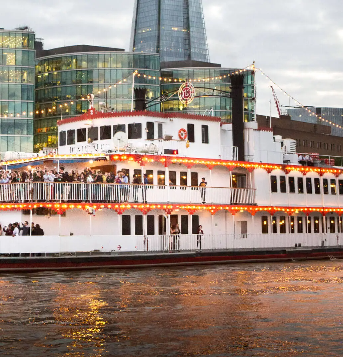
17, 78
62, 80
173, 28
212, 97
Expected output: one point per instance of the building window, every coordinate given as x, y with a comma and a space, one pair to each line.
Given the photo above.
93, 133
117, 128
325, 186
317, 186
308, 185
283, 184
274, 224
300, 185
105, 132
81, 135
135, 131
138, 225
150, 132
300, 225
264, 224
282, 224
126, 225
292, 224
291, 183
316, 224
273, 183
332, 147
204, 134
190, 132
340, 183
333, 186
70, 137
63, 138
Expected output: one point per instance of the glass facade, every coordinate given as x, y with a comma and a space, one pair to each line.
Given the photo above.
63, 80
17, 76
210, 96
335, 115
175, 29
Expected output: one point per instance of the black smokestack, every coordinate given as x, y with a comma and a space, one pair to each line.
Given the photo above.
237, 95
140, 102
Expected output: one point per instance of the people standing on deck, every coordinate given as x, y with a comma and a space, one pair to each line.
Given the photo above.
199, 237
175, 232
8, 230
38, 231
135, 183
25, 229
202, 186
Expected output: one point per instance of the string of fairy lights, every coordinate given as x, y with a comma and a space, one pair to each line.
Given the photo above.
65, 104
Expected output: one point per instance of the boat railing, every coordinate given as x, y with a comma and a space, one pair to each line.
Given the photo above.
122, 193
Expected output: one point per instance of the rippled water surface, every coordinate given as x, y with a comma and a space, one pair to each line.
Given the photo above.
243, 310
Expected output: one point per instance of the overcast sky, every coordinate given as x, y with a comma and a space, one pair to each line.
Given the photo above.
298, 43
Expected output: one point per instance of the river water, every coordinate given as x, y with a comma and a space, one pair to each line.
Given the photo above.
275, 309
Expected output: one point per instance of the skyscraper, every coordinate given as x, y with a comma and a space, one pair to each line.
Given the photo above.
173, 28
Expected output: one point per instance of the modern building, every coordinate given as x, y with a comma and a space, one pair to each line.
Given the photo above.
173, 28
65, 76
212, 86
334, 115
17, 86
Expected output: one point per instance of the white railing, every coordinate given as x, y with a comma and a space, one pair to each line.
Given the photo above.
163, 243
112, 193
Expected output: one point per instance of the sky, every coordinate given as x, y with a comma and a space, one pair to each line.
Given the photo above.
297, 43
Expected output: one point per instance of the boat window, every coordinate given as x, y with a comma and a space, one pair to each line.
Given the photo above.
195, 224
194, 179
325, 186
291, 226
340, 184
126, 225
308, 224
63, 138
291, 184
135, 131
184, 224
119, 127
274, 224
150, 176
172, 178
138, 173
71, 137
183, 178
81, 135
282, 224
316, 224
161, 178
317, 186
332, 224
160, 131
150, 225
273, 183
204, 134
300, 185
162, 223
150, 133
333, 186
190, 133
264, 224
340, 225
93, 133
138, 225
300, 225
308, 185
283, 184
105, 132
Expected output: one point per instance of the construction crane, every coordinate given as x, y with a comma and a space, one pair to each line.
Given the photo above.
277, 103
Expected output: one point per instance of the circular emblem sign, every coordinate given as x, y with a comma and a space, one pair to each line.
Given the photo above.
186, 93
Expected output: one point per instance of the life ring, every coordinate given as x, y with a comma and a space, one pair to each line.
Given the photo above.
183, 134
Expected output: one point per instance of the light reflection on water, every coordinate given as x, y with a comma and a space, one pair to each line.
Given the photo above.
241, 310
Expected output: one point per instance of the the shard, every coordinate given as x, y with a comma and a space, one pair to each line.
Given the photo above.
173, 28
